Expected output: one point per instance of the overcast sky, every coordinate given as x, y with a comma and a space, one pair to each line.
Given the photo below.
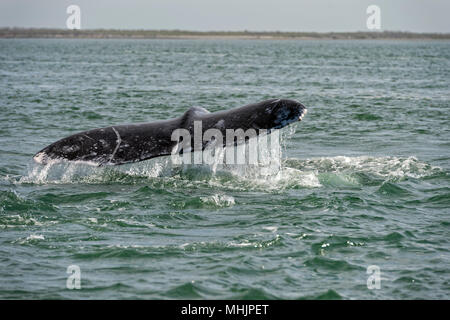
254, 15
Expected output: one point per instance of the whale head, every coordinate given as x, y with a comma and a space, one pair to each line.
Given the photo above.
283, 112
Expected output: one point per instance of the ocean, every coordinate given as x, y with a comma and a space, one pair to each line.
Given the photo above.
358, 208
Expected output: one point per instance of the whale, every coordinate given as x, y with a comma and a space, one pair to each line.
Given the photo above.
128, 143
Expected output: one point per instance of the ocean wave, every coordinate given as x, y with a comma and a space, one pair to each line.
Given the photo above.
31, 239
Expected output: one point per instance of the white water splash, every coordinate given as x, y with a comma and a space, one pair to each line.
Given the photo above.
383, 167
219, 200
32, 238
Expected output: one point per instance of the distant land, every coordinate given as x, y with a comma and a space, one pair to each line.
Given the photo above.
182, 34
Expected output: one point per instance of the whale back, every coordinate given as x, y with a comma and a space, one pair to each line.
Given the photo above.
137, 142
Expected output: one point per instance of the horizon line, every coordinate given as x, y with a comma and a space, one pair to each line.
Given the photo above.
20, 32
217, 31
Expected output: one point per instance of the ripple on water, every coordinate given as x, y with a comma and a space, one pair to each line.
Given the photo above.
213, 201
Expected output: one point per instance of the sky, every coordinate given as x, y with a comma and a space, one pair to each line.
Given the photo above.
231, 15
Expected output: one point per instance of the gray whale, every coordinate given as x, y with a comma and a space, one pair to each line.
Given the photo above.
129, 143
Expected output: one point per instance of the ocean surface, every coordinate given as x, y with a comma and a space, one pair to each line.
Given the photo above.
364, 179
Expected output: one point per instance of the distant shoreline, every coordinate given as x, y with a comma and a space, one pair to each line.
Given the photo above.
243, 35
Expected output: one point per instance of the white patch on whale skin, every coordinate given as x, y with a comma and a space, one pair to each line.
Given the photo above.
72, 148
104, 143
40, 158
303, 114
43, 159
220, 124
85, 135
118, 141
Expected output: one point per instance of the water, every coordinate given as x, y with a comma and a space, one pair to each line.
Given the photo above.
364, 179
